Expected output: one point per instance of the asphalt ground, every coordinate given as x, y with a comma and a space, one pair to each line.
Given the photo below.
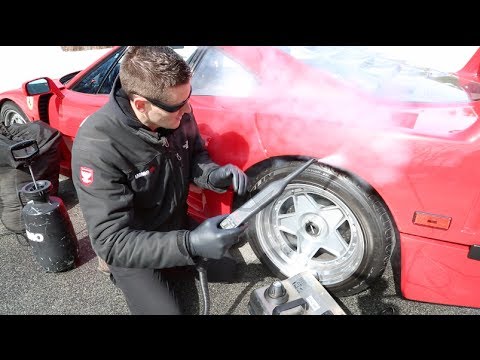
27, 289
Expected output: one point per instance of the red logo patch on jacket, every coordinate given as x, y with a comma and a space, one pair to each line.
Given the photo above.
86, 175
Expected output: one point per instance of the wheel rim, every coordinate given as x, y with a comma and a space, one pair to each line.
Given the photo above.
308, 228
13, 117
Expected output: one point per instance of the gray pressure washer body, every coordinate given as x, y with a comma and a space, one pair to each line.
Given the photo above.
301, 294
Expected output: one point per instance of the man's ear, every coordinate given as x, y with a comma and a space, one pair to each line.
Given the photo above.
139, 104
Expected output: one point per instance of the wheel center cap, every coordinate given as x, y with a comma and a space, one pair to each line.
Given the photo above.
313, 226
312, 229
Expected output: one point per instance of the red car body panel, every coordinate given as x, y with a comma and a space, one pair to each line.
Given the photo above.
438, 272
419, 157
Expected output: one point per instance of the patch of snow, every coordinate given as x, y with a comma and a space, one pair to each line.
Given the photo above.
23, 63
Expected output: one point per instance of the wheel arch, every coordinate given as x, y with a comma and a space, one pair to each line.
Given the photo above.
260, 166
39, 109
390, 230
22, 107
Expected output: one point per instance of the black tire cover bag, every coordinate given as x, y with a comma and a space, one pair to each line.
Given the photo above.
14, 174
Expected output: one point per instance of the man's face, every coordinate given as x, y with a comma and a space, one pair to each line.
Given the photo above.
177, 97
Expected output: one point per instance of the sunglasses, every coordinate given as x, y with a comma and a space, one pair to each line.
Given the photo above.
168, 108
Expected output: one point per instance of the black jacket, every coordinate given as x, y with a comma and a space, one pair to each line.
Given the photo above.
132, 184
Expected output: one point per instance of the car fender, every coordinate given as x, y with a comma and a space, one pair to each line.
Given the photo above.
28, 104
343, 150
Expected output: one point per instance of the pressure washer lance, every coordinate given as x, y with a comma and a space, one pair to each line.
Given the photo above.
241, 215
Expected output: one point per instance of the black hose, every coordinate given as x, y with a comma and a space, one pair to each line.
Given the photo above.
202, 275
389, 310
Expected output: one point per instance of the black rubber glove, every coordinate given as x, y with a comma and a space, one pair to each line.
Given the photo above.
208, 240
229, 174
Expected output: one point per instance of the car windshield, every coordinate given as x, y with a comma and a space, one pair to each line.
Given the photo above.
384, 77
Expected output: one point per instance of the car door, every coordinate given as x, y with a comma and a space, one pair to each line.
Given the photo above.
225, 113
83, 97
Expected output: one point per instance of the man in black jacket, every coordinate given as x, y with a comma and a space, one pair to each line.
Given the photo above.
132, 162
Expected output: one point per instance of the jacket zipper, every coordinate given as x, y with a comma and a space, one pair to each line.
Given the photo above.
174, 157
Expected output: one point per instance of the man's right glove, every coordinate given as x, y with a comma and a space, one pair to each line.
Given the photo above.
229, 174
209, 240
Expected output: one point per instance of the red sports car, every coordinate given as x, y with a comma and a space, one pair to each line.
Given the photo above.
398, 149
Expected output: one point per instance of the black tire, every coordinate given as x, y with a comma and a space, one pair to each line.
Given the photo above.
11, 113
348, 226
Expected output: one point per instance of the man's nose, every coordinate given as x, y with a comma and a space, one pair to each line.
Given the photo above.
187, 108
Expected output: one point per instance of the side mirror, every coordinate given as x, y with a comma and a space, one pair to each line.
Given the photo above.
37, 87
41, 86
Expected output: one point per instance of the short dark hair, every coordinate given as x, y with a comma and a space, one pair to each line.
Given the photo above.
149, 70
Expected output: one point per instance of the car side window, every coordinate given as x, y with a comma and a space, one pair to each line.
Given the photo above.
219, 75
109, 80
112, 75
93, 82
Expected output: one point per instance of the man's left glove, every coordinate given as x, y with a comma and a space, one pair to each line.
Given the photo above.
229, 174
